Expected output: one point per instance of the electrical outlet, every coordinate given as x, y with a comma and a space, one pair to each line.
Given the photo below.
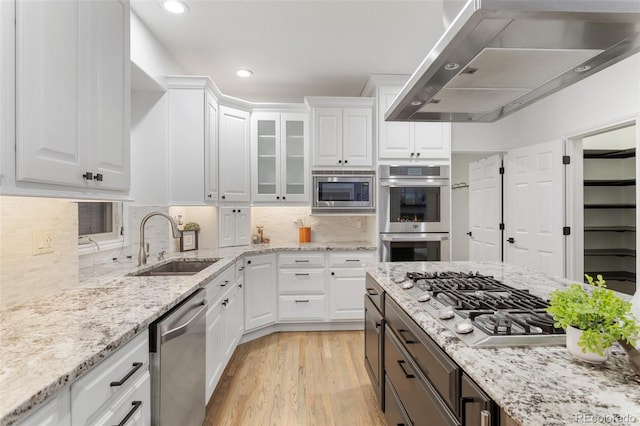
43, 241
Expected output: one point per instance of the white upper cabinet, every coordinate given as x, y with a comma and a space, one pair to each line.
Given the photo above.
211, 149
234, 160
234, 226
279, 157
342, 132
409, 141
72, 94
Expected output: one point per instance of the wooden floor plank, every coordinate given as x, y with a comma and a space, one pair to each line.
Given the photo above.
296, 378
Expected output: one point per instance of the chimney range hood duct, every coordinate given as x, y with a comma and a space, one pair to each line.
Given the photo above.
498, 56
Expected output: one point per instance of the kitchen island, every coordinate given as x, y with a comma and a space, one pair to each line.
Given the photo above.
541, 385
49, 342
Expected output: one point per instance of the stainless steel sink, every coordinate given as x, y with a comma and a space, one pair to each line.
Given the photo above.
176, 267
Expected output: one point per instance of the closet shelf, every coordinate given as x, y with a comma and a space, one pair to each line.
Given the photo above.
610, 182
614, 275
610, 229
609, 206
601, 153
610, 252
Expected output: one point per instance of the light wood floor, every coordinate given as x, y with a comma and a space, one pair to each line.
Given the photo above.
297, 379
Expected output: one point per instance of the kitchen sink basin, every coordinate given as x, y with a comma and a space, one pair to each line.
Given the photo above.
176, 267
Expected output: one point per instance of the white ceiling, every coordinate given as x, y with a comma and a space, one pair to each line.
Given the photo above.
296, 48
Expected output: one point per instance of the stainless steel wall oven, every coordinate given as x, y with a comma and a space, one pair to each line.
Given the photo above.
414, 213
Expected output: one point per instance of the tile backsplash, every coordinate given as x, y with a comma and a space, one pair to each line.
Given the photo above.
279, 225
23, 275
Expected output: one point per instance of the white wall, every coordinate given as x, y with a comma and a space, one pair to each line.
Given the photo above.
149, 54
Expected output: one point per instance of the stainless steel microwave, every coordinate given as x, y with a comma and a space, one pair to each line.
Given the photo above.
342, 192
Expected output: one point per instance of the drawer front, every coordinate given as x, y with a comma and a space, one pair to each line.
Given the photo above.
443, 373
239, 268
132, 409
394, 413
115, 374
352, 259
418, 398
301, 259
303, 307
220, 283
301, 281
375, 292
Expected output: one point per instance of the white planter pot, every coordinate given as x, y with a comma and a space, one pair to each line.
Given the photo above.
573, 334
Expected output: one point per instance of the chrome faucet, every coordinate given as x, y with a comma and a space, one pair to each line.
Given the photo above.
142, 253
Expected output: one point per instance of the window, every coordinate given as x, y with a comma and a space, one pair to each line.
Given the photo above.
98, 221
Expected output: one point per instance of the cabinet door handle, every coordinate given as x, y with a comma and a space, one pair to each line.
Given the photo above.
511, 240
372, 292
136, 367
485, 418
404, 339
302, 301
239, 211
378, 324
346, 161
248, 262
136, 405
88, 176
284, 198
233, 211
407, 375
98, 177
224, 283
417, 154
411, 155
225, 302
209, 196
339, 161
223, 197
333, 273
301, 275
277, 198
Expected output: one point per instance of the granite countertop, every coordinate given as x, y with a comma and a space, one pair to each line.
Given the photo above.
50, 341
536, 386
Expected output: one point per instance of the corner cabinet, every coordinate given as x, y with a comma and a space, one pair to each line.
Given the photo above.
409, 141
280, 157
73, 94
235, 162
342, 132
260, 290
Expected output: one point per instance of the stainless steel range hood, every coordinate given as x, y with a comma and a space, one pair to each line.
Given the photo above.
498, 56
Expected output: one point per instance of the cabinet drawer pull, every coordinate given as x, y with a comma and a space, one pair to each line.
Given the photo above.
302, 275
301, 261
225, 302
136, 367
372, 292
485, 418
407, 375
136, 405
404, 339
352, 260
302, 301
224, 283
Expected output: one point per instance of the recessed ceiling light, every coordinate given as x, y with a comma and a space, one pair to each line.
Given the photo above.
174, 6
582, 68
244, 73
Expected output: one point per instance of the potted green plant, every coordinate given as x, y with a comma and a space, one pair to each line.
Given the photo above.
593, 320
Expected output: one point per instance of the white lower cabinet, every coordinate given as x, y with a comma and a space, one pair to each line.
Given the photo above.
259, 291
119, 385
301, 287
347, 285
235, 226
215, 348
56, 412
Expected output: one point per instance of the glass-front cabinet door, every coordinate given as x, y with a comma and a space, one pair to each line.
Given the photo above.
280, 156
295, 173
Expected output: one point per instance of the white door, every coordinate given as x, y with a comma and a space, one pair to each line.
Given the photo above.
211, 149
346, 287
485, 209
295, 157
235, 163
395, 140
432, 140
534, 194
49, 147
108, 55
243, 226
260, 291
357, 139
327, 137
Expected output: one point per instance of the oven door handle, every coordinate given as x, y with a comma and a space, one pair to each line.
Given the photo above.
417, 183
413, 237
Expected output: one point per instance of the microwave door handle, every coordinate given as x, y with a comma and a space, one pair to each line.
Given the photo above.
393, 183
414, 237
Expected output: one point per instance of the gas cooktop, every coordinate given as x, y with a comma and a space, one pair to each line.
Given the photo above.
483, 311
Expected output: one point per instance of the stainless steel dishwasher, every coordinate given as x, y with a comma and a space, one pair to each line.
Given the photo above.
177, 355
